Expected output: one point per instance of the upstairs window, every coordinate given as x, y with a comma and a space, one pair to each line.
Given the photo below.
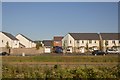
70, 41
119, 41
77, 41
95, 41
2, 41
90, 41
113, 41
106, 42
82, 41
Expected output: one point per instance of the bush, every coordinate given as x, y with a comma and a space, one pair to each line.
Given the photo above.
59, 72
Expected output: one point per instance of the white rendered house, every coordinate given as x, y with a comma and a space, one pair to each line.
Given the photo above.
26, 42
110, 40
78, 42
8, 39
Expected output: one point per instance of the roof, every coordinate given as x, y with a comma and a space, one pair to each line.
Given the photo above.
26, 37
85, 36
110, 36
37, 41
48, 42
58, 38
10, 36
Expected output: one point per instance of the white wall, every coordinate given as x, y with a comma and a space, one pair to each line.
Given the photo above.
110, 43
80, 43
15, 44
93, 43
67, 39
25, 42
85, 42
4, 39
74, 43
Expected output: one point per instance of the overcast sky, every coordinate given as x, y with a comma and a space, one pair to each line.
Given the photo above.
38, 20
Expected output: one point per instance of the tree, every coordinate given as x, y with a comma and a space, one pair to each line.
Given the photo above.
106, 44
7, 45
64, 45
38, 45
115, 46
87, 46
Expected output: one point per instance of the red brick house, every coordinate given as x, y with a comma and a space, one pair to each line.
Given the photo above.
57, 41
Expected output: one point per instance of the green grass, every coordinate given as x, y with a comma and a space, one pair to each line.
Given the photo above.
60, 59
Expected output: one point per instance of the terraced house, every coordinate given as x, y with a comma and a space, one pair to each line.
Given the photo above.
81, 42
110, 40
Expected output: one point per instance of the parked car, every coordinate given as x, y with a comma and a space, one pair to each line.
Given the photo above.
111, 51
58, 49
4, 53
98, 52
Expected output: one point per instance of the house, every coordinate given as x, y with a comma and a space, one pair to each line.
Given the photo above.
25, 42
110, 40
57, 41
8, 40
38, 44
48, 44
81, 42
38, 41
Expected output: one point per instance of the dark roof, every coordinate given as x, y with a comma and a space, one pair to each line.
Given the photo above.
10, 36
110, 36
37, 41
58, 38
85, 36
26, 37
48, 42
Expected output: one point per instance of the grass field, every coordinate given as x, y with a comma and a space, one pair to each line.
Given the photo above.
60, 59
23, 69
58, 72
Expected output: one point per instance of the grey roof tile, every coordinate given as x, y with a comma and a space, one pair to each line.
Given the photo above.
85, 36
10, 36
110, 36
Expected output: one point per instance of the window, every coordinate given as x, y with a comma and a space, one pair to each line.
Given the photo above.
70, 41
113, 41
82, 41
119, 41
77, 41
95, 41
106, 42
90, 41
2, 41
56, 42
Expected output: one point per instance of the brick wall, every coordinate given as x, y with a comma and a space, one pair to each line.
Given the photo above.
57, 43
4, 49
27, 51
23, 50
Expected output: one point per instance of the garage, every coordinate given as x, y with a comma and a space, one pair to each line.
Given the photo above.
47, 46
47, 50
